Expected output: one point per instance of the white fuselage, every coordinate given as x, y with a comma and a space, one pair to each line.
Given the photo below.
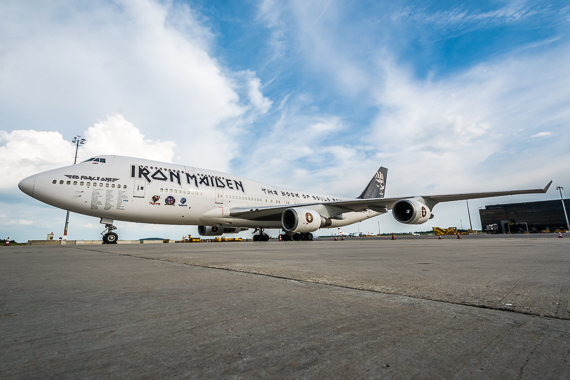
145, 191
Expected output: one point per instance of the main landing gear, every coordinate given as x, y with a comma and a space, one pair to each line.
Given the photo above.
109, 237
297, 237
262, 236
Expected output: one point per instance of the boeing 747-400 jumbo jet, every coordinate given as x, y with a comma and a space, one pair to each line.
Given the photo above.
143, 191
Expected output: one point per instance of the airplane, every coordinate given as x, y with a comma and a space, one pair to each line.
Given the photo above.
138, 190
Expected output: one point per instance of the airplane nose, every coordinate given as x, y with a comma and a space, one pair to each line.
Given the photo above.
27, 185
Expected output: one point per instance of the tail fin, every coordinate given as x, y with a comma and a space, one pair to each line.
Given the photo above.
377, 185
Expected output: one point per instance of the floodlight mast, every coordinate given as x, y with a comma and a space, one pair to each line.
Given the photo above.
77, 140
560, 188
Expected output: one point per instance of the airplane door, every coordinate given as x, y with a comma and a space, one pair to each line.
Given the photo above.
139, 188
220, 196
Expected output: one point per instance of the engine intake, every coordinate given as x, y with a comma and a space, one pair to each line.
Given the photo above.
410, 211
303, 220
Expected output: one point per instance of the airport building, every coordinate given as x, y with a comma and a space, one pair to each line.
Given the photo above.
545, 216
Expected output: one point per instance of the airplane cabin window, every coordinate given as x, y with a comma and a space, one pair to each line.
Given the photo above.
81, 183
54, 181
61, 182
75, 182
106, 185
68, 182
88, 183
113, 185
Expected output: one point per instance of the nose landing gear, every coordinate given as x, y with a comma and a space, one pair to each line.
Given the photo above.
109, 237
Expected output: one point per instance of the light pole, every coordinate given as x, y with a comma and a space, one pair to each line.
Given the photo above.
469, 213
77, 140
560, 188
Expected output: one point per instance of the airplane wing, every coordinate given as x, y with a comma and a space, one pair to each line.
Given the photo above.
381, 205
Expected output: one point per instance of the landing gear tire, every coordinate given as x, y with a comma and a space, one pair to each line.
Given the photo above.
309, 236
261, 237
110, 238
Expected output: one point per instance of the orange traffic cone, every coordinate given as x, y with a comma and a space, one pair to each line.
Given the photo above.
280, 238
458, 236
8, 241
440, 237
335, 237
393, 236
560, 235
341, 237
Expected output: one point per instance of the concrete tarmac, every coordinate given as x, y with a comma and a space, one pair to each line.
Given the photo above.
417, 308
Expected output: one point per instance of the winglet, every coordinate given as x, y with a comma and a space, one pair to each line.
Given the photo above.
547, 186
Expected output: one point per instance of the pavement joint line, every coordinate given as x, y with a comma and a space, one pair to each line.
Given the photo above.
234, 270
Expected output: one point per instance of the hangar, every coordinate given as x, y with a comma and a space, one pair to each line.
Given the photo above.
524, 217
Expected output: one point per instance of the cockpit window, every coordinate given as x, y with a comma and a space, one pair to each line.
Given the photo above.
101, 160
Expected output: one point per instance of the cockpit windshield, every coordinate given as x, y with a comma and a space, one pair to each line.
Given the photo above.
94, 159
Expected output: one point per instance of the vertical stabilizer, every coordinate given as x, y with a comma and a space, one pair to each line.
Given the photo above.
377, 185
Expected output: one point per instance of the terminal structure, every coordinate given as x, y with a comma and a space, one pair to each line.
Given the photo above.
529, 217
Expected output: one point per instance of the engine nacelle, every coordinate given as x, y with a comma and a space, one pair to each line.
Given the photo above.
299, 219
217, 231
410, 211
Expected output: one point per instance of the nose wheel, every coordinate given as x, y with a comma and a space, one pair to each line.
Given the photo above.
109, 237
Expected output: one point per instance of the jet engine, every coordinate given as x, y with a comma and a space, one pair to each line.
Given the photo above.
410, 211
303, 220
217, 231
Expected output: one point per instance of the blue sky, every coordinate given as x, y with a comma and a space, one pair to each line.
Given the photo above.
311, 95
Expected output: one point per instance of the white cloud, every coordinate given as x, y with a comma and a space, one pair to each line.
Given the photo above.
458, 132
541, 134
464, 132
25, 153
462, 18
261, 103
115, 135
15, 222
65, 65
